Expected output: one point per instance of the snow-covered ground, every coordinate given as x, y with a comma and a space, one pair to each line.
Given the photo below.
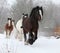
42, 45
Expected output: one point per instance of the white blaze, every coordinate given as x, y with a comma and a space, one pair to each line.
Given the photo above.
25, 16
9, 22
40, 13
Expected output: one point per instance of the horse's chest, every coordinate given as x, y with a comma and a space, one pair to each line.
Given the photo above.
26, 23
9, 27
34, 24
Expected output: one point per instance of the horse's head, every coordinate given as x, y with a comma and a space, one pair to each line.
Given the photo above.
9, 21
25, 16
38, 12
41, 11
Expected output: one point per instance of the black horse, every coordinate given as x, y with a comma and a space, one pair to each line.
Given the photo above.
30, 24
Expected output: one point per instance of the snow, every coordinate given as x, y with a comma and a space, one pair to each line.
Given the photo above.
41, 45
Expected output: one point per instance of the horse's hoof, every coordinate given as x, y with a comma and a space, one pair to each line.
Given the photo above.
30, 41
26, 43
7, 37
35, 38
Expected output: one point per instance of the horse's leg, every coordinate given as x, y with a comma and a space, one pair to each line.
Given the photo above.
30, 35
7, 33
17, 34
25, 39
35, 36
30, 40
10, 32
20, 35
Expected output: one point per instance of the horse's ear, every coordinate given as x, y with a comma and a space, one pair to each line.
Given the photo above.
26, 14
41, 7
37, 7
13, 20
22, 13
9, 18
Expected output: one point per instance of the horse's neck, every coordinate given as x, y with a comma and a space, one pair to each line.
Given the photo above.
33, 18
33, 21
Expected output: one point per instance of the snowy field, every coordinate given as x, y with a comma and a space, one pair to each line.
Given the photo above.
42, 45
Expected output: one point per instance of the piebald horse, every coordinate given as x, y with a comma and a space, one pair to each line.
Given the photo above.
19, 29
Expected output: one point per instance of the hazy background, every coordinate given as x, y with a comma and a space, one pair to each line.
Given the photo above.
15, 8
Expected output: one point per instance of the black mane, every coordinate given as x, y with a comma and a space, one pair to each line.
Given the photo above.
33, 10
34, 13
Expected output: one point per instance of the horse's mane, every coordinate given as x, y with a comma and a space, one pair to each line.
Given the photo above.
33, 13
33, 10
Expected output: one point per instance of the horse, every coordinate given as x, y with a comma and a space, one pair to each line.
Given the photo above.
14, 31
8, 27
19, 29
30, 24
